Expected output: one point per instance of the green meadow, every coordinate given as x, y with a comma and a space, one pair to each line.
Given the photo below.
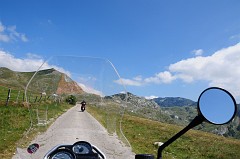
15, 118
143, 133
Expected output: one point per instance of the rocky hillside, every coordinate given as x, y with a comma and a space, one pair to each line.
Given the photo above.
67, 86
170, 111
134, 100
14, 79
49, 81
140, 106
174, 101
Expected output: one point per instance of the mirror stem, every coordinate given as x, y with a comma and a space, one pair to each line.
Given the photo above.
196, 121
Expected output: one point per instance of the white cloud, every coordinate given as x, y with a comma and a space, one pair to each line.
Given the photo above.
90, 90
138, 78
162, 77
129, 82
31, 63
197, 52
10, 33
17, 64
221, 69
222, 65
151, 97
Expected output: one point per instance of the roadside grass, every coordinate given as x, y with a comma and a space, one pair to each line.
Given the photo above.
143, 133
15, 120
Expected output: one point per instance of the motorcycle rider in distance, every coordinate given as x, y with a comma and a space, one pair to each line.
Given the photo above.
83, 106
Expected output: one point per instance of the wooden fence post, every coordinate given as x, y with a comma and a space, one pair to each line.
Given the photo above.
23, 97
8, 97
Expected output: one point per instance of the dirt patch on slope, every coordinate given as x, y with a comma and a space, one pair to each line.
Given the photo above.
68, 86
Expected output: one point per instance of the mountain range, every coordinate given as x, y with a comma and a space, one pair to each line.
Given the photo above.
174, 101
174, 110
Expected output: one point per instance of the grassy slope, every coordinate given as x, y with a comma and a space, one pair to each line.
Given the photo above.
14, 120
142, 133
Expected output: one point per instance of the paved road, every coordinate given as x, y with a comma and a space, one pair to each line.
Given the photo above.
75, 126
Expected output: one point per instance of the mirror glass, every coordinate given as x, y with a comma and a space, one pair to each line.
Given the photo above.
217, 105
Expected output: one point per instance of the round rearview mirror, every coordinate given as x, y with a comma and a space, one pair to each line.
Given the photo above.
217, 105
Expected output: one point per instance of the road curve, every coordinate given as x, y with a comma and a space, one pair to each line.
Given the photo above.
75, 125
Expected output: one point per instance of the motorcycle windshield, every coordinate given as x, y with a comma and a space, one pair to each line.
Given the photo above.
54, 95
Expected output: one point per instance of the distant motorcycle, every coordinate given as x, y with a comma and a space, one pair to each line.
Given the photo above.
83, 106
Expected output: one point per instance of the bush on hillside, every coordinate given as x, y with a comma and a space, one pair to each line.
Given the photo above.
71, 100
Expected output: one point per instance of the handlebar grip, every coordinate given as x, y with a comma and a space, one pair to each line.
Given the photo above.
144, 156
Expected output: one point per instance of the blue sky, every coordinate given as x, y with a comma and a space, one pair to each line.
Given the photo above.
160, 48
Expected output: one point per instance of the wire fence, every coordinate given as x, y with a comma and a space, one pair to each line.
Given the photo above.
16, 97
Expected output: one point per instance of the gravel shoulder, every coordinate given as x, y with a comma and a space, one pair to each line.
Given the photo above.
74, 126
